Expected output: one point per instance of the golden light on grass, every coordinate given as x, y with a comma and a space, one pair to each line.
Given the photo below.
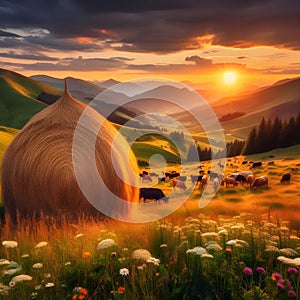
230, 77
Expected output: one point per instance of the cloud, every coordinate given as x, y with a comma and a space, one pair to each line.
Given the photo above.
78, 64
241, 57
7, 34
12, 54
199, 60
157, 26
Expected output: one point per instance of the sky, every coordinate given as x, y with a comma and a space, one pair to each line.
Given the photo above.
192, 40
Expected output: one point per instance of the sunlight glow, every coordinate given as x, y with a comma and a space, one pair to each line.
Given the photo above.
230, 77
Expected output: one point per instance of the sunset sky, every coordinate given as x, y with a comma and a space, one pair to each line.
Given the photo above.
192, 40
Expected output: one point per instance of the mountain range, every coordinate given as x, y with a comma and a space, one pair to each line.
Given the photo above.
21, 97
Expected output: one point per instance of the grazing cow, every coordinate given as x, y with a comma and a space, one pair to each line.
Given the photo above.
250, 179
285, 178
196, 178
161, 179
40, 178
172, 175
256, 164
259, 182
244, 162
152, 194
228, 181
178, 184
240, 179
271, 163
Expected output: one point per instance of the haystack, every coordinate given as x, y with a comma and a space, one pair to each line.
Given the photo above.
37, 174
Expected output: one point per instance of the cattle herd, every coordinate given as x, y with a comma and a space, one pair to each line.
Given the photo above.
178, 182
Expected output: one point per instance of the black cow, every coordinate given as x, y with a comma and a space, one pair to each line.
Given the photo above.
196, 178
285, 178
244, 162
152, 194
161, 179
172, 175
256, 164
240, 178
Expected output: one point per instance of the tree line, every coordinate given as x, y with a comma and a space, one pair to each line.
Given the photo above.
270, 135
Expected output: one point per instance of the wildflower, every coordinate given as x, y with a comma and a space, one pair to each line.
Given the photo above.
74, 297
79, 235
142, 254
107, 243
163, 246
214, 246
4, 262
248, 271
260, 270
292, 271
231, 243
12, 284
153, 260
41, 245
47, 275
83, 291
49, 284
206, 255
196, 251
288, 252
25, 255
276, 276
281, 286
113, 255
124, 272
21, 277
209, 234
37, 265
296, 261
68, 263
121, 289
10, 244
86, 254
292, 294
140, 268
285, 260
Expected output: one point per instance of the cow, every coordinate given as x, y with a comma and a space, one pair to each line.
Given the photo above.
244, 162
250, 179
196, 178
240, 178
178, 184
285, 178
145, 177
152, 194
256, 164
212, 175
259, 182
182, 178
171, 175
161, 179
228, 181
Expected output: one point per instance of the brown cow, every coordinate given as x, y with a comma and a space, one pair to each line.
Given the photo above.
250, 179
229, 181
259, 183
178, 184
37, 174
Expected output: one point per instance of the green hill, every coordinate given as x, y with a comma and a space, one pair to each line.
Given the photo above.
6, 136
19, 98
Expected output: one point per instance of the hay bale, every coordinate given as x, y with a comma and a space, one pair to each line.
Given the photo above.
37, 174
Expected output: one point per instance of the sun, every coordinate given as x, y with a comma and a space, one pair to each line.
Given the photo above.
230, 77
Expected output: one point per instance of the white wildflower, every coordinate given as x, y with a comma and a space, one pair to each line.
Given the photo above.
214, 247
242, 242
68, 263
49, 284
4, 262
231, 243
10, 244
271, 248
107, 243
285, 260
79, 235
223, 232
37, 266
163, 246
197, 251
124, 272
25, 255
206, 255
41, 244
21, 277
153, 260
209, 234
142, 254
296, 261
288, 252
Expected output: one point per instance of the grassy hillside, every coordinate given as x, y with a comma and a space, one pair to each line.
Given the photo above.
18, 98
6, 136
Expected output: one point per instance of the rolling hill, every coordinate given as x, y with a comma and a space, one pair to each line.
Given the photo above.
21, 98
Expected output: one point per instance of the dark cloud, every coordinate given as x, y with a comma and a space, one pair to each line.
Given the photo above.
12, 54
78, 64
158, 26
241, 57
7, 34
199, 60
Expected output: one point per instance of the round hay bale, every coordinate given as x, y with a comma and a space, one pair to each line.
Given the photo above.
37, 174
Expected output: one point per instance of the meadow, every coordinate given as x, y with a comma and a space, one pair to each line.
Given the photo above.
243, 245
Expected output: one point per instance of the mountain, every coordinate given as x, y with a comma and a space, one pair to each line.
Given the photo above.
106, 84
79, 88
22, 97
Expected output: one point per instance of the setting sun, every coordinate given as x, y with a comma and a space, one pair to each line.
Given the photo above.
230, 77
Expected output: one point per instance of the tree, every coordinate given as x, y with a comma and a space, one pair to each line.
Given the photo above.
192, 154
250, 147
